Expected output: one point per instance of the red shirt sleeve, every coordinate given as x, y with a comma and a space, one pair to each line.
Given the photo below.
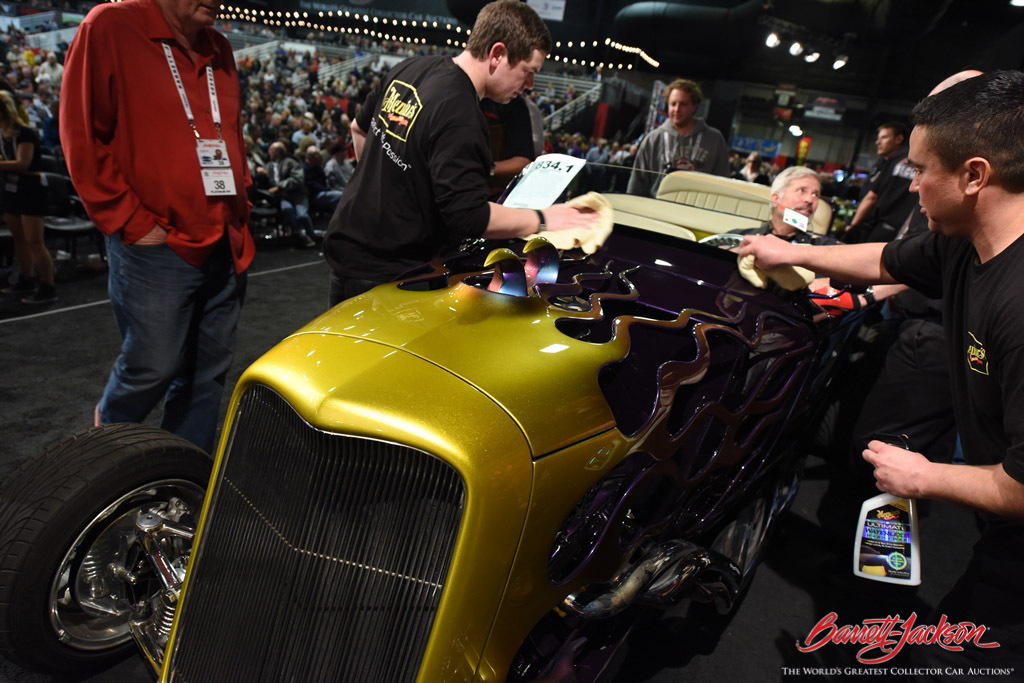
88, 115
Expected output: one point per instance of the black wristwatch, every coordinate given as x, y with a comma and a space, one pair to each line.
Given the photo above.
543, 227
869, 295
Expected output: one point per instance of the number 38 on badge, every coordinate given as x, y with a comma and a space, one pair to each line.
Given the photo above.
218, 181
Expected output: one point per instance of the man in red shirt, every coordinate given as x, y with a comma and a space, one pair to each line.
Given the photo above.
150, 120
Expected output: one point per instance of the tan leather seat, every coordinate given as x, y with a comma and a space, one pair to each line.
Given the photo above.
731, 196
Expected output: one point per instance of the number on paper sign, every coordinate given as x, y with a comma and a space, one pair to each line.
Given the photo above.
543, 181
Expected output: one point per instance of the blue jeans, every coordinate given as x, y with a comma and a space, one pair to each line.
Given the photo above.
178, 326
296, 217
327, 200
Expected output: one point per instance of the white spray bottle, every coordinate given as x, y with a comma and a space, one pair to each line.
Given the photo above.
888, 545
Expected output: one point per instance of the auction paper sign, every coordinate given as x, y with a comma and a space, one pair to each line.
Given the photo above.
543, 181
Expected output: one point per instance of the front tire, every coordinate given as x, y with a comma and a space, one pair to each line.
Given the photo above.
66, 524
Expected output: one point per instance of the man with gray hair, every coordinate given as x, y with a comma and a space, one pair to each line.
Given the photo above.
51, 72
797, 190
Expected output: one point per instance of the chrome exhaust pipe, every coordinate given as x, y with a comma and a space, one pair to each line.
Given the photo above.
677, 568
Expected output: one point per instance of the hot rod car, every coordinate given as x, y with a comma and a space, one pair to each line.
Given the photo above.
487, 470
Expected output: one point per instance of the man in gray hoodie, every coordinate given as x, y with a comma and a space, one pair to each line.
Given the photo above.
682, 143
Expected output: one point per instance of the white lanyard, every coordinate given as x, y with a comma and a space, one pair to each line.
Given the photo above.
214, 104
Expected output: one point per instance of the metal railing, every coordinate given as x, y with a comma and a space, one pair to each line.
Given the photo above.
331, 71
581, 101
255, 50
561, 83
241, 41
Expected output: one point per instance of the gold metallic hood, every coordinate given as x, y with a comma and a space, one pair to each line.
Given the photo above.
505, 346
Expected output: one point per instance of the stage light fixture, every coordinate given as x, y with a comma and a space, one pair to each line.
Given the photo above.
840, 62
796, 49
812, 57
773, 40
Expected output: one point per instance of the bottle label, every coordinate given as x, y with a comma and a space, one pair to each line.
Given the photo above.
885, 546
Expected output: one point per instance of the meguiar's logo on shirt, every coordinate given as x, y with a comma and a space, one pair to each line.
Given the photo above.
399, 109
977, 359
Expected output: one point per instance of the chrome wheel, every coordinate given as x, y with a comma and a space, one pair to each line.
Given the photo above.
95, 532
103, 578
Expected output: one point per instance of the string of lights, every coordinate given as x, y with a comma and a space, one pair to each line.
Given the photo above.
386, 28
301, 20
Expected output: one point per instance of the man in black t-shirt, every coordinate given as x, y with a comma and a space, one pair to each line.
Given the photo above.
422, 145
887, 202
511, 138
967, 152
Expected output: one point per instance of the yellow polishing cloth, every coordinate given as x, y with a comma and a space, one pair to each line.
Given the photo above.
587, 240
787, 277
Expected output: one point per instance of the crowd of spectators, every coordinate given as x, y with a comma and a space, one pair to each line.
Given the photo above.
286, 99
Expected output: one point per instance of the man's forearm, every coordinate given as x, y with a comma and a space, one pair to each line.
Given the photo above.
853, 263
882, 292
510, 167
910, 474
983, 487
508, 222
865, 206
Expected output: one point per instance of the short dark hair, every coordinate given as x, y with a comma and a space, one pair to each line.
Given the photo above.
896, 127
981, 116
688, 87
513, 23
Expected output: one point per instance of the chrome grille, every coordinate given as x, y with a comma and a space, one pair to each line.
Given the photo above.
323, 556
